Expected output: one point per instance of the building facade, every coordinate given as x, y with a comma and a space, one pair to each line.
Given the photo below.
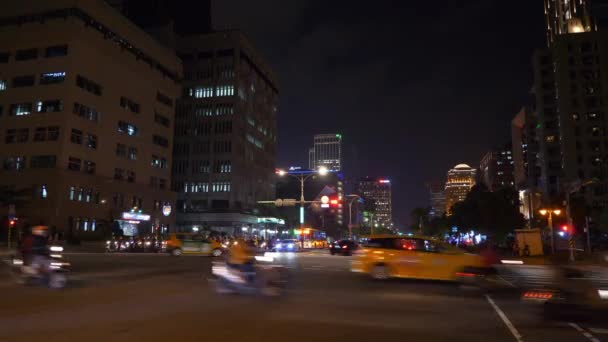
459, 182
378, 191
87, 125
496, 168
437, 199
225, 133
572, 107
326, 151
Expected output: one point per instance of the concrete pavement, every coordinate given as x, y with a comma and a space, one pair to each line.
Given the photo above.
156, 297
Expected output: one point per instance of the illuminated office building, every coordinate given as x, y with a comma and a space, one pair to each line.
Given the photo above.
459, 182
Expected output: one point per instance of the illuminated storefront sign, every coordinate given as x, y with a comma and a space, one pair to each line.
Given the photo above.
135, 216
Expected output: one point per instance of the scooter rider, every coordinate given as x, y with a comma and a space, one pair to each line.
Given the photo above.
40, 248
242, 256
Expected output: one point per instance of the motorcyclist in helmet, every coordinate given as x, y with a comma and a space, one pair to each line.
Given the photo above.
40, 249
242, 256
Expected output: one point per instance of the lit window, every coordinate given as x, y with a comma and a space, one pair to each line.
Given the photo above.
43, 191
52, 77
3, 85
201, 92
85, 225
125, 127
21, 109
93, 225
72, 193
550, 138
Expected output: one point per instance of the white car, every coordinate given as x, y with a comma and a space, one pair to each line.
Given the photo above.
288, 245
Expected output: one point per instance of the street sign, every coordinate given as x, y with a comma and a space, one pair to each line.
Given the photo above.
278, 202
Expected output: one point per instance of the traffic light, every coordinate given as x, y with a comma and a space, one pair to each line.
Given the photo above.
565, 228
11, 223
335, 202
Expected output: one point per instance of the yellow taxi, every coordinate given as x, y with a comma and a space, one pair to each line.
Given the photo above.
417, 257
188, 243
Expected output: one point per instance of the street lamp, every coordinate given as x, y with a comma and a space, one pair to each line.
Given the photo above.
551, 212
302, 176
350, 214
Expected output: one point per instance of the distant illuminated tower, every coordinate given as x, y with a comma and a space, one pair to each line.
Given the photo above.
327, 151
460, 181
568, 16
378, 191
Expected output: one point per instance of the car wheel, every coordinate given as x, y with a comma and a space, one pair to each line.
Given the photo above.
380, 272
216, 252
176, 252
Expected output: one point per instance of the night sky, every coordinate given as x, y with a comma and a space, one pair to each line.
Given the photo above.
415, 87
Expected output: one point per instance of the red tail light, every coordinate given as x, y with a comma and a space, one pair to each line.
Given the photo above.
538, 295
465, 274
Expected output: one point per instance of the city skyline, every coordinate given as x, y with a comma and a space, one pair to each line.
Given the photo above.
408, 115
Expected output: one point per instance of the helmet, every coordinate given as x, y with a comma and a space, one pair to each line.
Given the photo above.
40, 230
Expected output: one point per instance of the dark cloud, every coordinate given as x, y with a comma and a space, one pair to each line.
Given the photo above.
415, 86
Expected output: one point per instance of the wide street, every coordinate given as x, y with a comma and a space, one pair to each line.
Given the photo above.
132, 297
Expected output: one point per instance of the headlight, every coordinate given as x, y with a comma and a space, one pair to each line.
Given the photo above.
279, 245
148, 243
290, 245
603, 294
224, 245
56, 249
108, 242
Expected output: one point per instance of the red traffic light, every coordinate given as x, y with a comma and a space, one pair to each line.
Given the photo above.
11, 222
565, 228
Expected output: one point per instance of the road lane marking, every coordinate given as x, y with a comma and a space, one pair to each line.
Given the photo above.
505, 319
584, 332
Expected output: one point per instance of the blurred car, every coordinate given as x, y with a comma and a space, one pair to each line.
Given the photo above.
188, 243
343, 247
287, 245
417, 257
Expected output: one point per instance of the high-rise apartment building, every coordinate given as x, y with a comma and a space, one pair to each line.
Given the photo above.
459, 182
225, 133
326, 151
87, 102
437, 199
496, 168
572, 111
378, 191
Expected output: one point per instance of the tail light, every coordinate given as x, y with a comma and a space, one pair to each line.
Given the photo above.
537, 295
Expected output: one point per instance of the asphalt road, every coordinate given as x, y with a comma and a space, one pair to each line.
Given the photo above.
161, 298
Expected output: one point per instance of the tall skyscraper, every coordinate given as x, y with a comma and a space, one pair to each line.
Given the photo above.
225, 133
88, 126
459, 182
378, 191
568, 16
437, 199
496, 168
572, 114
327, 151
225, 129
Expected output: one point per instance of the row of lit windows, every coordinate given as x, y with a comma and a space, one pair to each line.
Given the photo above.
30, 80
208, 91
80, 194
206, 187
183, 111
26, 108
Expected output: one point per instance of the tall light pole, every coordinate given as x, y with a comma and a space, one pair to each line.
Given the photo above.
550, 212
302, 176
350, 214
